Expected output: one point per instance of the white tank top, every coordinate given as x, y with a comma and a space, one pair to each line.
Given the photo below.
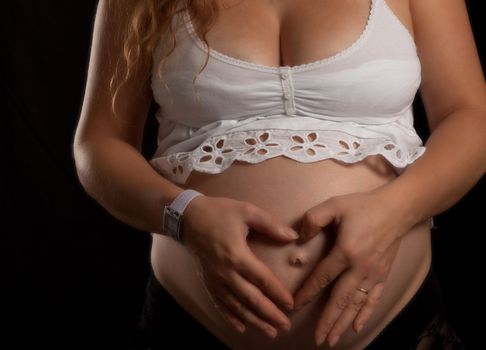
355, 103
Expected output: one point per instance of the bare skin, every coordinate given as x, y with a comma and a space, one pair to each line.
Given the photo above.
284, 33
295, 187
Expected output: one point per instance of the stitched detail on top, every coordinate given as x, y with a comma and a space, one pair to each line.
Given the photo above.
218, 152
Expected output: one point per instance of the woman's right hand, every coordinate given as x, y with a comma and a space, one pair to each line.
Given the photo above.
239, 284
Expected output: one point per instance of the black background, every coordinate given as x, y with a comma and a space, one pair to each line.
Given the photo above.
79, 273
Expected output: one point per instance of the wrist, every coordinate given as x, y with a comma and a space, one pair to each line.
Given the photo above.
399, 202
173, 213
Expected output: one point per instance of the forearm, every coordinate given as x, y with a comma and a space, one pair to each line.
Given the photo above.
455, 160
118, 177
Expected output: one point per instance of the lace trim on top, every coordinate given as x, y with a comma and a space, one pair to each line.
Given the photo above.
301, 67
218, 152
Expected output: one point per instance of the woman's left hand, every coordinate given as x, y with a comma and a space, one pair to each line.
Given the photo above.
368, 228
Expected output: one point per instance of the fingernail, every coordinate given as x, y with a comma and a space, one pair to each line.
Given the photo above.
285, 326
289, 306
291, 233
321, 339
333, 341
272, 332
241, 328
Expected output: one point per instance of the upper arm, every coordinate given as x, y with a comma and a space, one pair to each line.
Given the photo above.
97, 118
452, 77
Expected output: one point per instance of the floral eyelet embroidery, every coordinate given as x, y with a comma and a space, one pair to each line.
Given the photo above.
259, 144
176, 161
215, 152
348, 149
218, 152
307, 144
398, 152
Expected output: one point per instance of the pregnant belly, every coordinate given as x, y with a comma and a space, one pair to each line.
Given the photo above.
287, 189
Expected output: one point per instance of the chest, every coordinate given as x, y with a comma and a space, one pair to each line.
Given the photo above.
291, 33
367, 71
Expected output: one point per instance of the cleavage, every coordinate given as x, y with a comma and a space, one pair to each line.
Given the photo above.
289, 33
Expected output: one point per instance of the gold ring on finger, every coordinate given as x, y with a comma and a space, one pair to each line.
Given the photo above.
363, 290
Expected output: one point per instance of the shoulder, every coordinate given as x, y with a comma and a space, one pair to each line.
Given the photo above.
105, 71
452, 76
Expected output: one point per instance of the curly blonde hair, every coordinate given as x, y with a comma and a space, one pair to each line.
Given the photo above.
148, 21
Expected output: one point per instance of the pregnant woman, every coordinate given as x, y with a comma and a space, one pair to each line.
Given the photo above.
302, 198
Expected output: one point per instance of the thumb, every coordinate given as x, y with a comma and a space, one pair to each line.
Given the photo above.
315, 219
269, 225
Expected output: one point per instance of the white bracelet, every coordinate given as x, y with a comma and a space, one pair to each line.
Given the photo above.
172, 216
182, 200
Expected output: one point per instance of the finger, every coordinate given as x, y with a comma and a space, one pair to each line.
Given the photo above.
240, 309
342, 295
349, 314
316, 218
219, 304
257, 302
377, 291
258, 273
367, 310
325, 272
228, 315
265, 223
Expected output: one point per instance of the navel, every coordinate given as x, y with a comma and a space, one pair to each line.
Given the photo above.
296, 260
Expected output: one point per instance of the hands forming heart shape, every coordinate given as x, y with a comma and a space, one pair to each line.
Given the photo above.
368, 227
